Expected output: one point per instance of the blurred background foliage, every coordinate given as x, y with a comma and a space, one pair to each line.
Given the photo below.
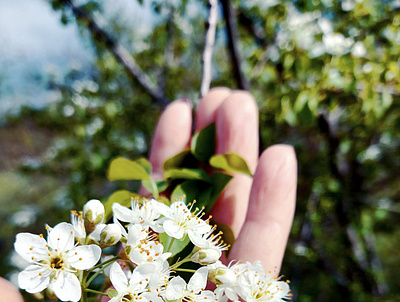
325, 74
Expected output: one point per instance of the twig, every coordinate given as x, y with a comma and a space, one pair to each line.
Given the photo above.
208, 49
120, 53
231, 31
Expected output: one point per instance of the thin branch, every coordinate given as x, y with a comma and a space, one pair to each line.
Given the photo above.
231, 30
208, 49
120, 53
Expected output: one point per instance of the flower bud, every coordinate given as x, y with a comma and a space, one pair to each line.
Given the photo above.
110, 235
206, 256
93, 213
222, 275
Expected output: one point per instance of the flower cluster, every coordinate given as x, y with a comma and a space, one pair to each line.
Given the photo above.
147, 264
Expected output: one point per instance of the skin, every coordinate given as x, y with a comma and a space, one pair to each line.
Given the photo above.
259, 210
9, 292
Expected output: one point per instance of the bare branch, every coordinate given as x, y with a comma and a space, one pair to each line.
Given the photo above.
120, 53
231, 31
208, 49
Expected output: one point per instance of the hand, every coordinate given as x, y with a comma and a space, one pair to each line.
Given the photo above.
9, 292
259, 210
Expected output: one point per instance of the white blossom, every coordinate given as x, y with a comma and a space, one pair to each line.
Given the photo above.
257, 286
178, 290
133, 289
179, 221
209, 247
146, 214
55, 262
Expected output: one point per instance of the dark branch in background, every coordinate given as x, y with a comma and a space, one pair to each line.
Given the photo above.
231, 30
120, 53
208, 49
352, 192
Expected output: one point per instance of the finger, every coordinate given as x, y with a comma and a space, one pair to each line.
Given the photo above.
270, 214
237, 131
172, 134
9, 292
209, 105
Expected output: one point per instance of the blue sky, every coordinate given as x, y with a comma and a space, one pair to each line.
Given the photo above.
33, 42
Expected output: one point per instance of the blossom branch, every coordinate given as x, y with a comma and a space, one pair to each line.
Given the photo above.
208, 48
231, 32
120, 53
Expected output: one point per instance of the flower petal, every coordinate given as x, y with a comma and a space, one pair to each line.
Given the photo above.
30, 245
173, 230
34, 278
175, 289
199, 280
62, 237
118, 278
67, 287
123, 213
84, 256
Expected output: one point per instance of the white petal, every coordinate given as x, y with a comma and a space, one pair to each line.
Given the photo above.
84, 256
139, 275
173, 230
161, 208
199, 280
230, 293
123, 213
151, 296
29, 245
97, 231
62, 237
198, 240
67, 287
118, 278
135, 234
280, 289
175, 288
31, 280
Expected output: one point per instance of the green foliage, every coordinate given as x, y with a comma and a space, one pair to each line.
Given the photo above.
230, 162
326, 78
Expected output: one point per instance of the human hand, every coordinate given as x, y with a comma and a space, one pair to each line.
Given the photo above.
9, 292
260, 209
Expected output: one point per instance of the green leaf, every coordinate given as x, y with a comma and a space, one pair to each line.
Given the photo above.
205, 193
185, 173
183, 159
230, 162
161, 185
151, 186
125, 169
146, 165
177, 245
192, 189
227, 234
123, 197
219, 182
203, 143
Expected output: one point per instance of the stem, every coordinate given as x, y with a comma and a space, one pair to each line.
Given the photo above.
95, 292
170, 244
208, 48
188, 258
185, 270
113, 259
97, 273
